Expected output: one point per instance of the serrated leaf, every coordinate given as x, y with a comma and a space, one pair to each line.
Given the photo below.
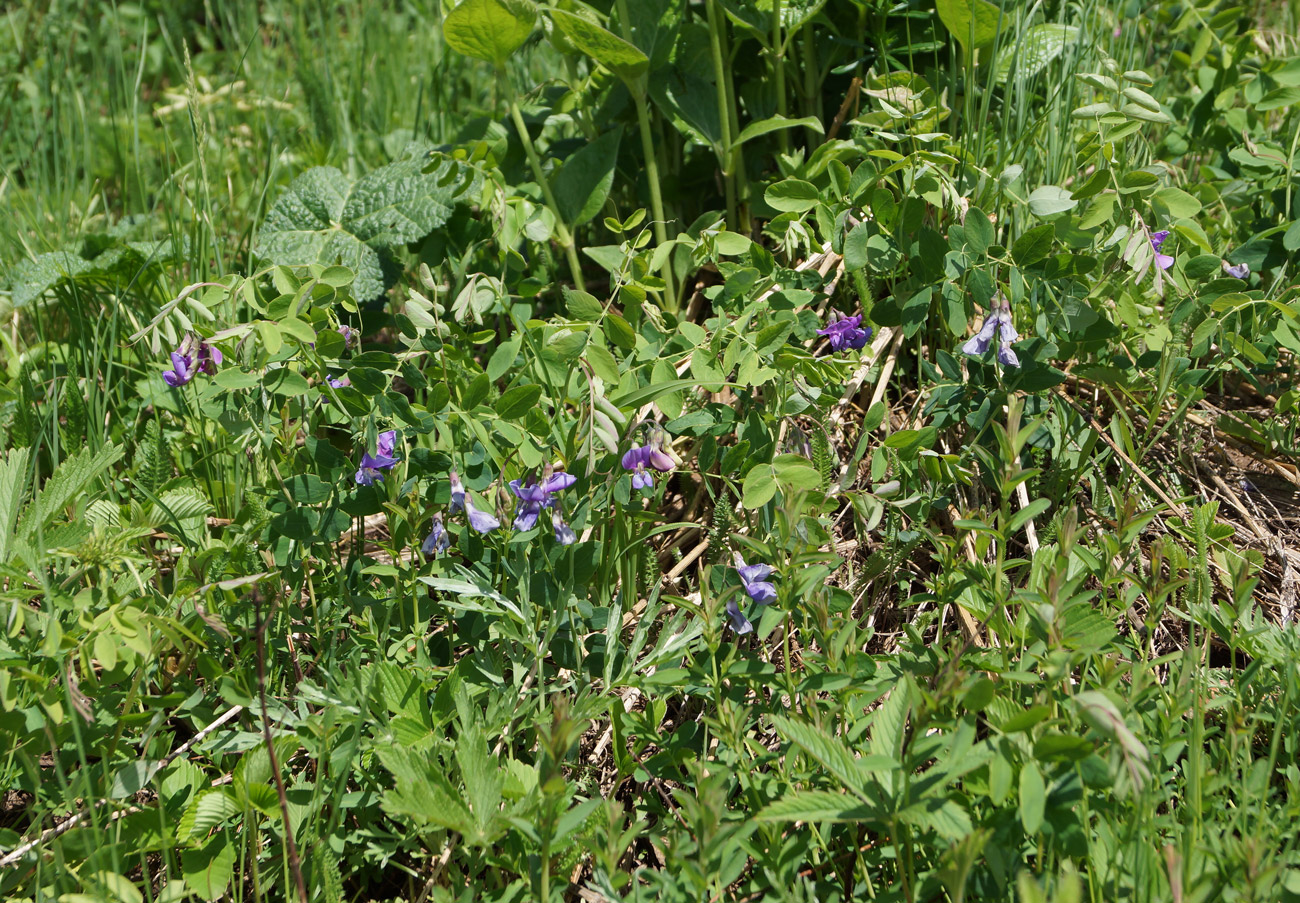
818, 806
32, 278
70, 479
13, 479
323, 218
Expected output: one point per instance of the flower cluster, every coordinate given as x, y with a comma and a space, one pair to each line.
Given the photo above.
999, 321
845, 332
192, 357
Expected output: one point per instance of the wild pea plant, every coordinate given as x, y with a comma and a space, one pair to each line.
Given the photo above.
644, 450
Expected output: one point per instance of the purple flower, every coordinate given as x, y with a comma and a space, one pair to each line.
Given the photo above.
481, 521
1164, 261
533, 497
739, 622
639, 457
1236, 271
755, 578
564, 534
845, 332
190, 358
437, 541
182, 370
998, 321
457, 493
350, 335
373, 466
340, 382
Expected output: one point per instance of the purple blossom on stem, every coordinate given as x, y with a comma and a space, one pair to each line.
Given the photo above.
755, 578
457, 493
739, 622
564, 534
437, 541
1164, 261
481, 521
189, 359
1236, 271
340, 382
350, 335
997, 322
640, 457
845, 332
373, 466
533, 497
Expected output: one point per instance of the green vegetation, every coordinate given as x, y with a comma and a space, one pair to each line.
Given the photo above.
649, 450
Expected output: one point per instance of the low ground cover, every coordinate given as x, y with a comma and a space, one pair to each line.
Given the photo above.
649, 451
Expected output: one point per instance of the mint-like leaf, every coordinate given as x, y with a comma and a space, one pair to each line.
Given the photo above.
324, 218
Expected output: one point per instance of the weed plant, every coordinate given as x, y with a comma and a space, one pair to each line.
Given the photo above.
649, 450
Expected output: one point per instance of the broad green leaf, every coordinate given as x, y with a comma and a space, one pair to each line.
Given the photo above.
1041, 44
1033, 797
13, 480
1177, 202
517, 401
792, 196
972, 23
208, 869
582, 183
1049, 200
324, 218
32, 278
489, 29
1278, 98
1034, 245
615, 54
775, 124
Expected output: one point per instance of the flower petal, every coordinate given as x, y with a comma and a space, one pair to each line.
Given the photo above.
558, 481
739, 622
481, 521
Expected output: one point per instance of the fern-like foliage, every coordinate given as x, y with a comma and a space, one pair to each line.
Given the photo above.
152, 461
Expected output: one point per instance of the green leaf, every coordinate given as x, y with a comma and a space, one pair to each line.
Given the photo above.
517, 401
1041, 44
972, 23
615, 54
834, 755
13, 479
583, 182
1049, 200
792, 196
818, 806
1034, 245
489, 29
70, 480
1277, 98
1178, 203
1033, 797
759, 487
208, 869
323, 218
774, 124
32, 278
283, 381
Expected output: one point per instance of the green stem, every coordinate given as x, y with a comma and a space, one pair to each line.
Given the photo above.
716, 24
651, 166
562, 234
778, 63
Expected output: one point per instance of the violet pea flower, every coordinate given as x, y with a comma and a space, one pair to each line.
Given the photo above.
998, 321
564, 534
845, 332
1236, 271
533, 497
339, 382
640, 457
182, 370
1164, 261
481, 521
437, 541
739, 622
373, 466
755, 577
457, 493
